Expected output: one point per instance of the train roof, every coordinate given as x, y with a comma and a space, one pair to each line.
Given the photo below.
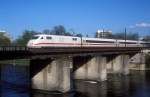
54, 35
101, 39
88, 38
128, 40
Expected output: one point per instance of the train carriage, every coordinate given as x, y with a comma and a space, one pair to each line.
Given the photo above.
98, 42
43, 40
128, 43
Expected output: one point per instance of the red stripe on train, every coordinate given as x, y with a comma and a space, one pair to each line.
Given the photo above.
69, 44
59, 43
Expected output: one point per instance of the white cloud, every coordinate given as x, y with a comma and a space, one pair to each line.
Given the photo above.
141, 25
145, 25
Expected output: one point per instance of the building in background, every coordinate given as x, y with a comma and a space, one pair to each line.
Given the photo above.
103, 34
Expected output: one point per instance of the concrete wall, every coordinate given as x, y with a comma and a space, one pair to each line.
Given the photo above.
119, 64
109, 65
55, 76
93, 69
137, 62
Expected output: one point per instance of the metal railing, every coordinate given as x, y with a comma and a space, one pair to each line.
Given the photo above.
13, 48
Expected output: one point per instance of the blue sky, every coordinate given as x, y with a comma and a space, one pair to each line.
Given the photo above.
81, 16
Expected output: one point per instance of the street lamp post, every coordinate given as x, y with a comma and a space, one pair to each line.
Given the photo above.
125, 37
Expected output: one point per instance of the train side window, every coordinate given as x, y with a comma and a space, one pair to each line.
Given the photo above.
49, 38
74, 39
42, 37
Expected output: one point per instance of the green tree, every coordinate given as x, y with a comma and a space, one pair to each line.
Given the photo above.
46, 31
22, 40
4, 39
79, 35
118, 36
131, 36
68, 34
146, 38
59, 30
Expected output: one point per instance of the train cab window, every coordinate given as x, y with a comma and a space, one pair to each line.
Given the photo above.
49, 38
35, 37
74, 39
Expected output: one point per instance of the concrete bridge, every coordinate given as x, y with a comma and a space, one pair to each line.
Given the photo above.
18, 52
53, 69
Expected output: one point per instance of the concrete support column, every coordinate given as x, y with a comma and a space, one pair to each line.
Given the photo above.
109, 64
121, 64
102, 68
138, 61
93, 69
55, 76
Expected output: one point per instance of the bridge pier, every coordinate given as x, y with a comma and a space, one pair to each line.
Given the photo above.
118, 64
55, 76
90, 68
138, 61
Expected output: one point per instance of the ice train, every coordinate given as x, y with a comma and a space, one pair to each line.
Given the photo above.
43, 40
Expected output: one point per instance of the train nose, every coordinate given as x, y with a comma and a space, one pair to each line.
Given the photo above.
30, 43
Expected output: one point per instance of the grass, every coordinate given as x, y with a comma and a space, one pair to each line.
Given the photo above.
21, 62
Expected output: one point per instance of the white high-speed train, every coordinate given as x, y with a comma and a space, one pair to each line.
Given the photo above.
43, 40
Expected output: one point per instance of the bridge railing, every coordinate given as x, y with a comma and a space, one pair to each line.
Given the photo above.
13, 48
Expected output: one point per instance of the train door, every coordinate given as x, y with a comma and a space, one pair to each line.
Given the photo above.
117, 43
49, 41
42, 40
61, 41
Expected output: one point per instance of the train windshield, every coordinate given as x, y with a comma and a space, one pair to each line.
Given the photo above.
35, 37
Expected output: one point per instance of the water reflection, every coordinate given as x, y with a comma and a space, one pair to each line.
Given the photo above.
137, 84
92, 89
15, 82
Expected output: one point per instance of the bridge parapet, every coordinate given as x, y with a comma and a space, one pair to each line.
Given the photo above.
15, 52
13, 48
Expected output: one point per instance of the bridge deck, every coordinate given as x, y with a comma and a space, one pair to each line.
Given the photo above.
13, 48
15, 52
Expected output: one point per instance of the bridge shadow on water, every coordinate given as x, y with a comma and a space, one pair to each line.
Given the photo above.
15, 82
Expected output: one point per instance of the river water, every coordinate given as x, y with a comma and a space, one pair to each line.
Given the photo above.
15, 82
